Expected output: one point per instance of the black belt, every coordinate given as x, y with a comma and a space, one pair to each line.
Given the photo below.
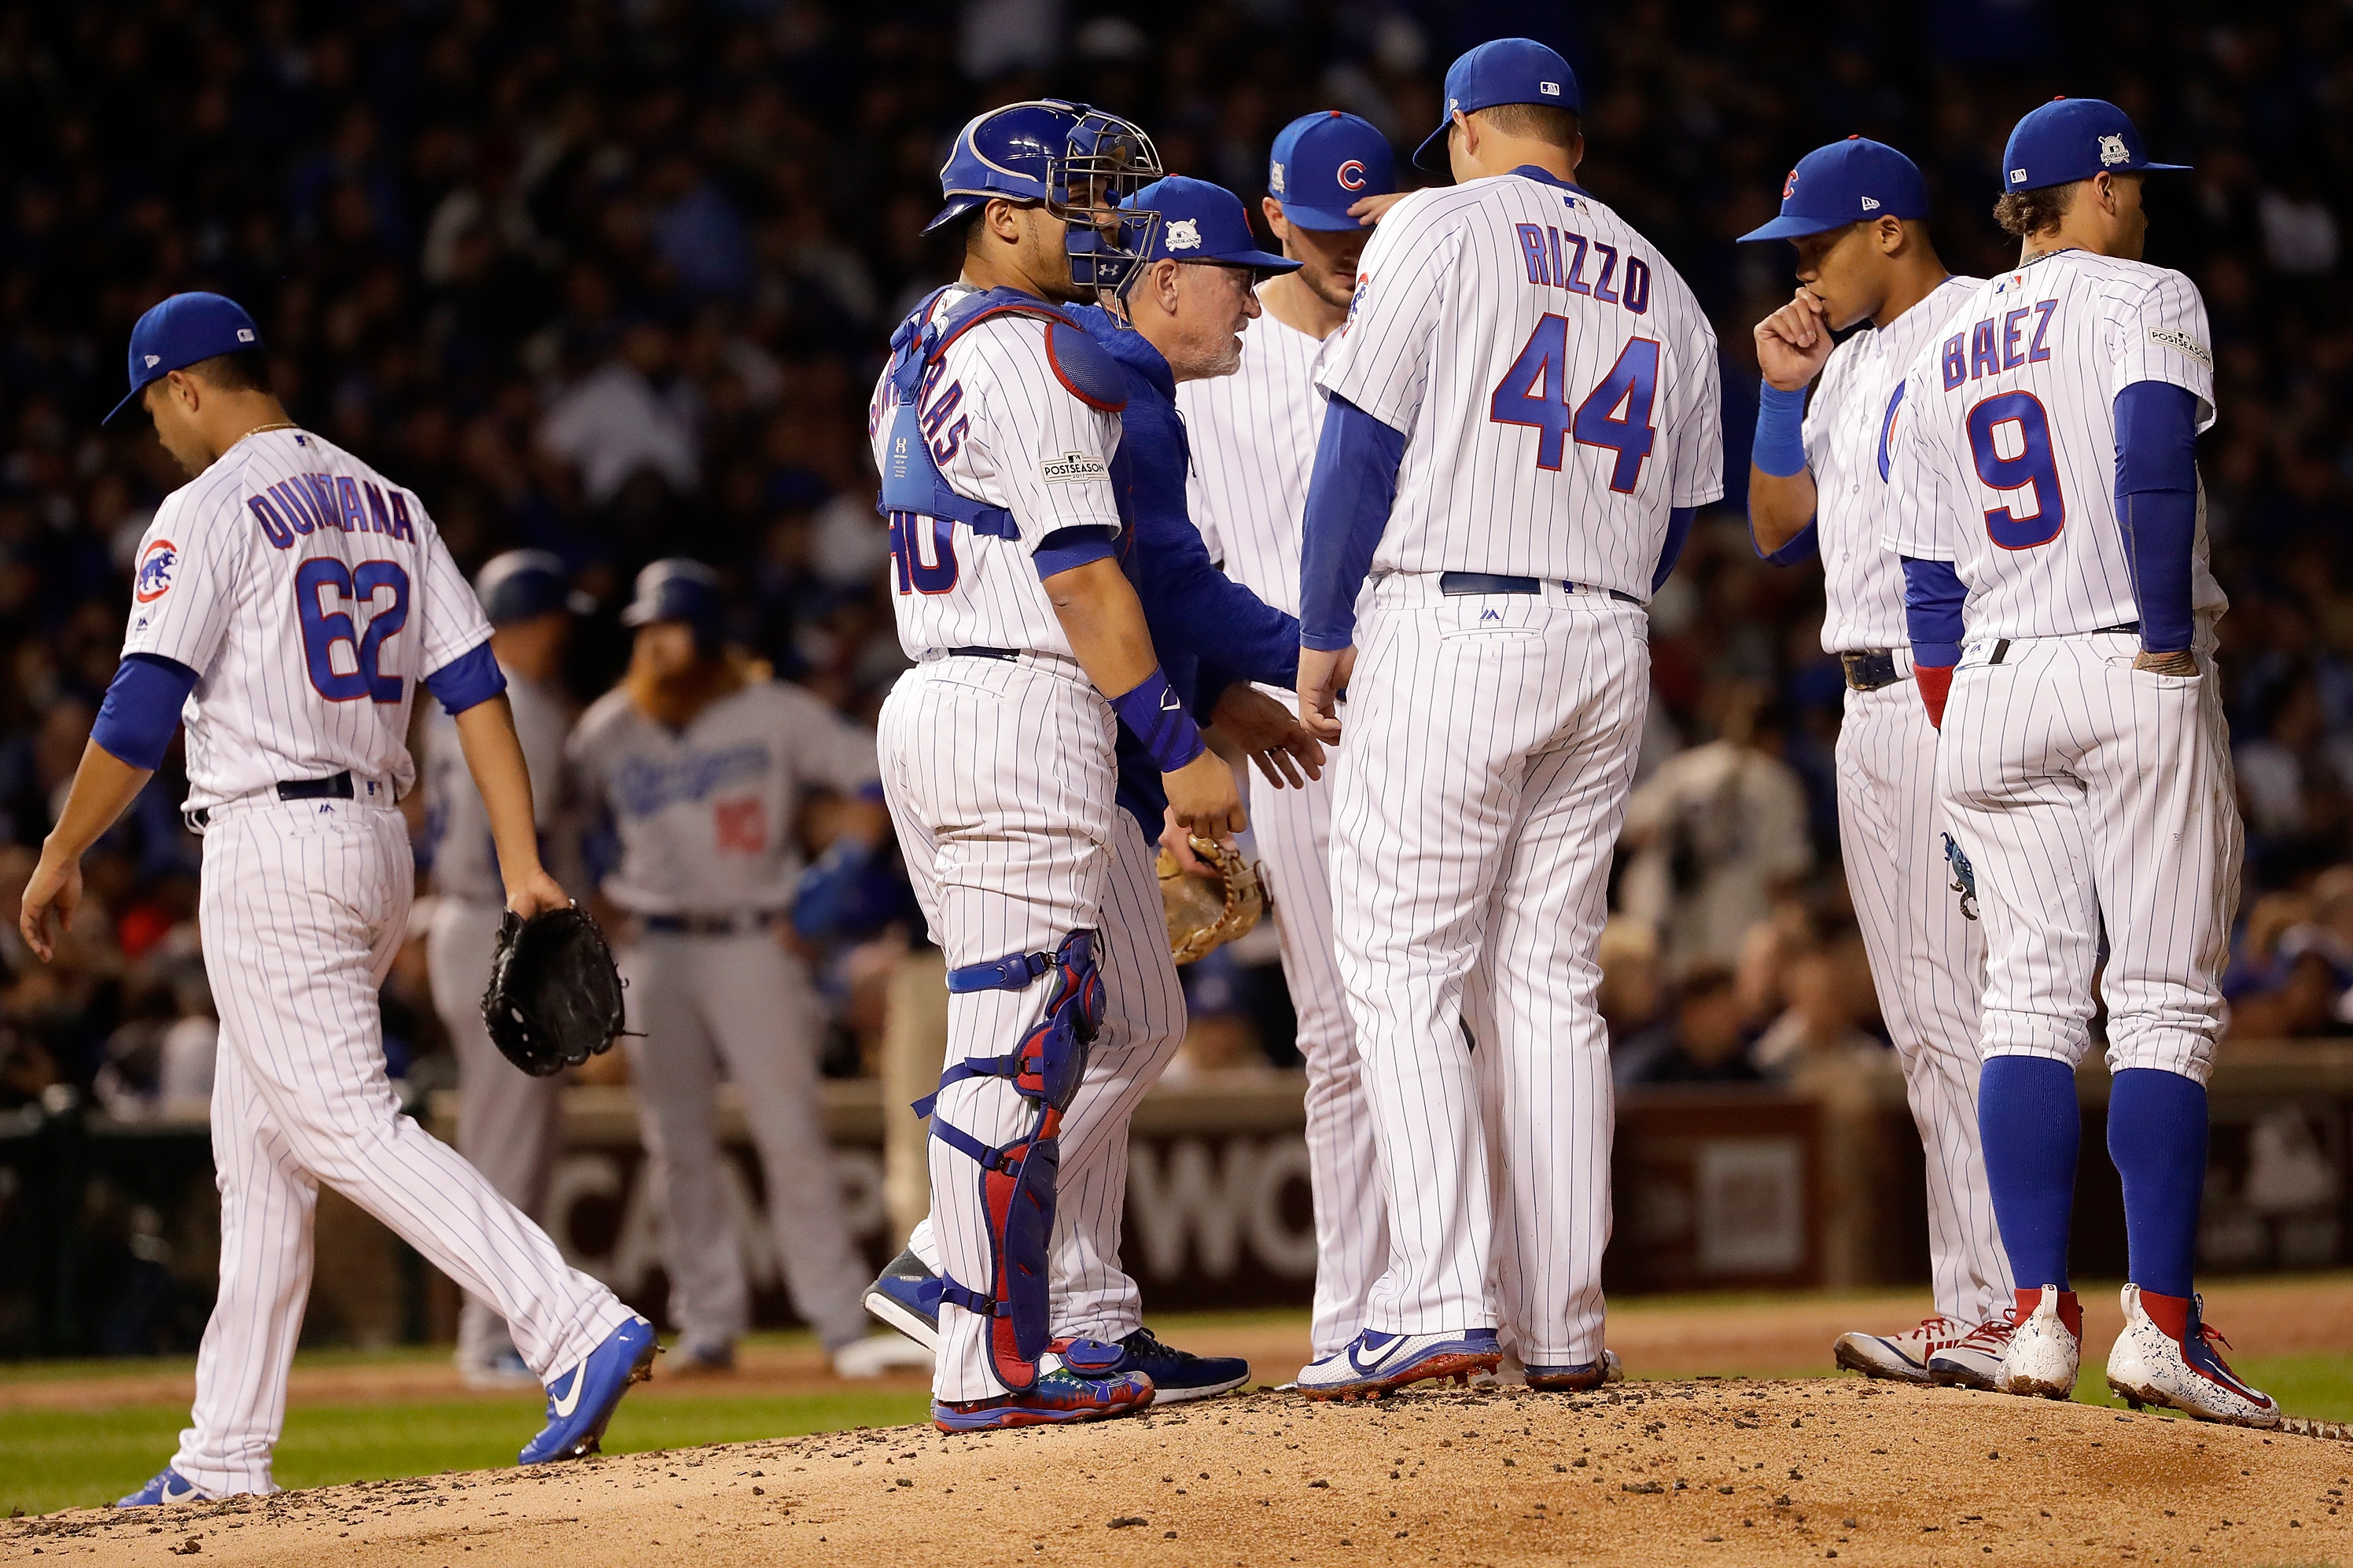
337, 787
1869, 668
2129, 628
984, 653
1456, 583
713, 924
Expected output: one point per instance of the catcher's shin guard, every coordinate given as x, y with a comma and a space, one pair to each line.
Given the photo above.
1016, 1178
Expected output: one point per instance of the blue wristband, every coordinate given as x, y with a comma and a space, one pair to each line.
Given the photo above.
1154, 716
1779, 449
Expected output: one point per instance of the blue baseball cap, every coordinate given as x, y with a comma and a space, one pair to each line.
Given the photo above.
1846, 182
1202, 222
180, 332
2070, 139
1508, 70
1325, 164
523, 585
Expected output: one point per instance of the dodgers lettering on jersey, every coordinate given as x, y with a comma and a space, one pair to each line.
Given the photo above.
2003, 460
1855, 405
457, 824
1005, 430
709, 819
1555, 380
310, 595
1253, 434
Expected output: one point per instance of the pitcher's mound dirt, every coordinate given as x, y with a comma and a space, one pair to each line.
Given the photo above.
1708, 1472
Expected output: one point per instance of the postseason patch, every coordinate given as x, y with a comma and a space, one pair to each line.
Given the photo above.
2175, 338
155, 563
1072, 469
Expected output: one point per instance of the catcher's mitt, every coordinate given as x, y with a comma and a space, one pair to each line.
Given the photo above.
1206, 912
554, 998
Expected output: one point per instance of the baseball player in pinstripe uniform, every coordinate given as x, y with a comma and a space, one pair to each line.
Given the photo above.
508, 1120
1854, 210
2052, 524
1523, 416
994, 426
703, 772
1253, 437
287, 600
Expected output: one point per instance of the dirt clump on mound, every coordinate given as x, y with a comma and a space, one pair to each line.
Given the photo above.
1728, 1472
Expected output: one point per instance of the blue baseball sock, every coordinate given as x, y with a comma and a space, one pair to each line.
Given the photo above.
2028, 1119
2157, 1136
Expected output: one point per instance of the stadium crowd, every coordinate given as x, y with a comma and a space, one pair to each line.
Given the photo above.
612, 278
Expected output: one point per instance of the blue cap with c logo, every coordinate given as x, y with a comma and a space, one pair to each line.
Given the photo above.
1508, 70
1325, 162
178, 333
2070, 139
1846, 182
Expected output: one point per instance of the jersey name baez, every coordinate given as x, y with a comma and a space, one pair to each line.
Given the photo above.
1004, 430
311, 595
1555, 380
2004, 454
1846, 435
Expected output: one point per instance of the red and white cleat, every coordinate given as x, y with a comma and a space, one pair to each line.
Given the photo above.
1974, 1360
1903, 1357
2149, 1366
2046, 1348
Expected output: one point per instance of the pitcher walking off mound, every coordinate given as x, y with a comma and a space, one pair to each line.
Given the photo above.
1524, 412
2046, 472
289, 600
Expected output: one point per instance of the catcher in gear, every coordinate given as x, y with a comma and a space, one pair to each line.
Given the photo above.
1210, 906
554, 998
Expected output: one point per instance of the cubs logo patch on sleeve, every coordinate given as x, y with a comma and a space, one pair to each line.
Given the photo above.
155, 563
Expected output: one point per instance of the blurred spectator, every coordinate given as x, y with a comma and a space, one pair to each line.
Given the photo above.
1705, 1038
1717, 832
615, 424
1629, 992
1831, 995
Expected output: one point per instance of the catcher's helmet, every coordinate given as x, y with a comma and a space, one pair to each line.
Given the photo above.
522, 584
1079, 161
678, 589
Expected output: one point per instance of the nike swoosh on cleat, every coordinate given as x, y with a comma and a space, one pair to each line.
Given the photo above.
1386, 1350
183, 1496
565, 1404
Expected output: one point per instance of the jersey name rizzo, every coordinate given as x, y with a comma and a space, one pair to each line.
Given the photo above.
1542, 249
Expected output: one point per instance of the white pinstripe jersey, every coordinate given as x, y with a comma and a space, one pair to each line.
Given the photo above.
2003, 460
1555, 380
1253, 437
1005, 431
1846, 426
310, 595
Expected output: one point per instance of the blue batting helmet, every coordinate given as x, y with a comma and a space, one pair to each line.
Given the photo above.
522, 584
1080, 162
678, 589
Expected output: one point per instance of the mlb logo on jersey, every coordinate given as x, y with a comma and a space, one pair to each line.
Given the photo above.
156, 570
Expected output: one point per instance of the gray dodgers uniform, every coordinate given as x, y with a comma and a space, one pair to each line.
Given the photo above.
508, 1119
709, 857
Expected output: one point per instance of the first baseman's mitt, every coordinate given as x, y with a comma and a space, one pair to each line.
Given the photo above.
554, 998
1206, 912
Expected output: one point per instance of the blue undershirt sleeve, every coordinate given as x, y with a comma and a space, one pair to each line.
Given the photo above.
467, 680
1348, 500
141, 708
1678, 527
2157, 506
1066, 548
1804, 546
1933, 597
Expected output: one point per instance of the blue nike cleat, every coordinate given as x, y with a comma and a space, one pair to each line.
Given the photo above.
1060, 1396
1576, 1378
1176, 1375
907, 1298
169, 1487
580, 1403
1374, 1363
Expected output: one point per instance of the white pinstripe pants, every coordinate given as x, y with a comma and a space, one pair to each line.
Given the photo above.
2088, 793
1001, 781
303, 906
1493, 743
1293, 828
1928, 962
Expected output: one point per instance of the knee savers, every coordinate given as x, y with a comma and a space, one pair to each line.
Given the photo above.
1018, 1178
